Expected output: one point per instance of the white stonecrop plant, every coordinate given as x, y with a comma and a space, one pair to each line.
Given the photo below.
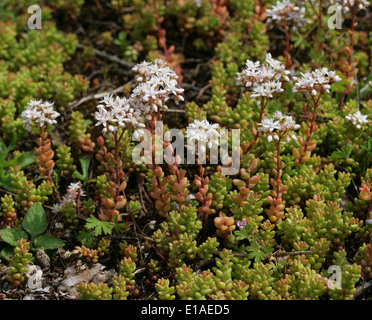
263, 80
287, 11
115, 113
39, 113
349, 5
156, 83
314, 82
73, 190
279, 125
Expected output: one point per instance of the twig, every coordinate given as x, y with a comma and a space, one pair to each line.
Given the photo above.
96, 96
275, 254
108, 56
202, 90
124, 237
362, 289
292, 253
173, 110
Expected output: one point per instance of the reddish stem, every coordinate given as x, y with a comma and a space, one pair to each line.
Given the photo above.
49, 174
288, 61
311, 129
166, 53
351, 39
278, 196
204, 203
255, 139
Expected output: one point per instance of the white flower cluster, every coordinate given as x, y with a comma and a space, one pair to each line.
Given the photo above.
348, 5
39, 113
156, 83
280, 123
358, 119
265, 79
287, 11
70, 196
314, 82
115, 113
203, 132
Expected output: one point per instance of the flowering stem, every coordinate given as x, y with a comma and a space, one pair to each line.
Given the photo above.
369, 210
312, 128
351, 39
204, 203
78, 201
275, 212
43, 163
318, 14
264, 103
277, 144
116, 156
312, 125
263, 106
161, 37
287, 54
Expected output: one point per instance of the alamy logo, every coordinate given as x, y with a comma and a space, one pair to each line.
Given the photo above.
335, 280
335, 20
35, 20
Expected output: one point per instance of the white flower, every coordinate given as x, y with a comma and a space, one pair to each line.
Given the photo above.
39, 113
358, 119
287, 11
102, 116
348, 5
203, 132
315, 81
70, 196
278, 115
156, 83
281, 125
59, 225
74, 186
268, 125
290, 124
56, 208
118, 112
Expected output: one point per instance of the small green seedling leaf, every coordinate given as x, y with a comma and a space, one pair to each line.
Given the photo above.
342, 153
84, 162
86, 238
99, 226
35, 222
